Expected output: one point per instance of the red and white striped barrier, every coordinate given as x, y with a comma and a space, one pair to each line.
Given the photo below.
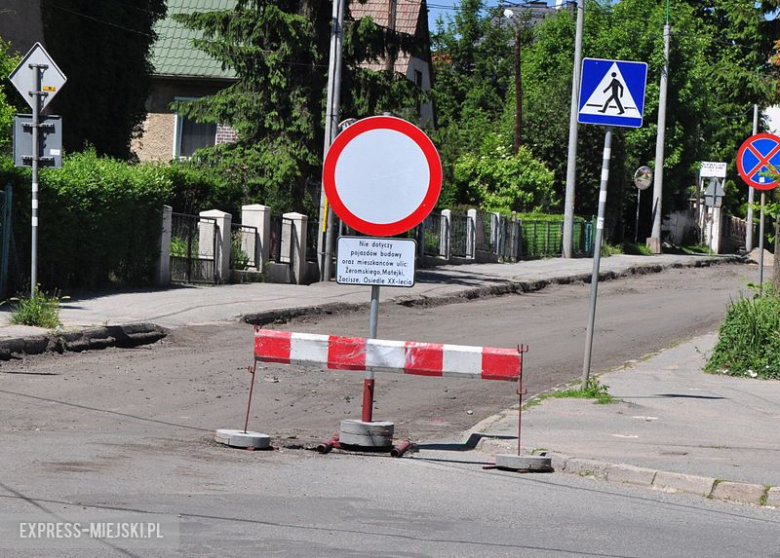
356, 353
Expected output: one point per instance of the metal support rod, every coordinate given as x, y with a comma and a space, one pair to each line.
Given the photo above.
36, 124
594, 282
751, 194
658, 178
251, 388
761, 246
368, 382
636, 226
519, 410
325, 234
571, 164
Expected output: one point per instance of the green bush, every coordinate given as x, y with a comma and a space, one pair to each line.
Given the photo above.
41, 310
99, 221
749, 339
195, 189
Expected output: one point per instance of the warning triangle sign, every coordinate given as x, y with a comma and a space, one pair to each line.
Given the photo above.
612, 97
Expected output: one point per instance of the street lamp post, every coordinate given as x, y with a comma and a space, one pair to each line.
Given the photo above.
509, 14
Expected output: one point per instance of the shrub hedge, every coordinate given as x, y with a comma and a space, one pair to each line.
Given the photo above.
99, 222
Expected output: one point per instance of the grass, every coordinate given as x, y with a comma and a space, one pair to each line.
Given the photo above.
749, 339
608, 249
594, 390
40, 310
636, 249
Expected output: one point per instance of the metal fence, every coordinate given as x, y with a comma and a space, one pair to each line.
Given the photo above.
461, 233
194, 249
244, 248
312, 232
435, 235
483, 232
280, 227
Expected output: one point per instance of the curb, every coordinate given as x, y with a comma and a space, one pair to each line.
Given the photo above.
125, 336
707, 487
505, 287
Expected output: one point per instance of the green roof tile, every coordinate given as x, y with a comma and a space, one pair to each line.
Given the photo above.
173, 53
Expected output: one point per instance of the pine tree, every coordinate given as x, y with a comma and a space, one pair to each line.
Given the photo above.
278, 50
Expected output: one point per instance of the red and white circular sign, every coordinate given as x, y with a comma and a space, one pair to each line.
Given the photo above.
382, 176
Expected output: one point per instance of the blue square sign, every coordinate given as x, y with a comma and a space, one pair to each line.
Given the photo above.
612, 93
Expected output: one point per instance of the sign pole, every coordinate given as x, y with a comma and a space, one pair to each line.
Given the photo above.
594, 282
368, 381
37, 94
636, 226
761, 246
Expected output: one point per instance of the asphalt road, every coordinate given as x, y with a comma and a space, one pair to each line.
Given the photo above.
128, 431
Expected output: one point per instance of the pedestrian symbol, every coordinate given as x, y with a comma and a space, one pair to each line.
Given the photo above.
612, 92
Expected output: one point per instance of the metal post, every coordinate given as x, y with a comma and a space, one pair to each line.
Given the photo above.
636, 226
594, 282
654, 243
518, 91
252, 370
325, 235
571, 165
37, 95
751, 194
7, 217
761, 246
368, 382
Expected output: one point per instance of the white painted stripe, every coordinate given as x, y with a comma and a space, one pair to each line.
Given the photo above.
309, 347
34, 186
607, 152
605, 175
600, 223
35, 204
602, 196
34, 221
460, 359
385, 354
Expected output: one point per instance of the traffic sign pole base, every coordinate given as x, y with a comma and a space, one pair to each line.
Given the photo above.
370, 436
525, 463
242, 439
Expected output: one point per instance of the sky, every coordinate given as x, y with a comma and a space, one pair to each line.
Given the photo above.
446, 8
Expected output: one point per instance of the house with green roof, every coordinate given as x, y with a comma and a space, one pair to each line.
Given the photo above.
185, 72
181, 72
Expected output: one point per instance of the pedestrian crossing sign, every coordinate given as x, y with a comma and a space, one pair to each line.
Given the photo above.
612, 93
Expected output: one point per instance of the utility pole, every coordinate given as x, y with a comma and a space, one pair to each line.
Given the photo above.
571, 165
654, 242
325, 237
751, 194
518, 139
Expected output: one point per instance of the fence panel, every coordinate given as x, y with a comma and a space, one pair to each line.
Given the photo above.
461, 233
435, 235
243, 247
484, 232
194, 248
312, 231
281, 227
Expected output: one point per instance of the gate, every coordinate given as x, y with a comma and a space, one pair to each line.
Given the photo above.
194, 249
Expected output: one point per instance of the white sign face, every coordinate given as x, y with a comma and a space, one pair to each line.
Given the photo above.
385, 262
710, 169
23, 77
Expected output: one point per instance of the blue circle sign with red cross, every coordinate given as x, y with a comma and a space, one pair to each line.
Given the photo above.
759, 156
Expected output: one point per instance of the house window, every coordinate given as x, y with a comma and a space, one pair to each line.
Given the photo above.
418, 78
191, 135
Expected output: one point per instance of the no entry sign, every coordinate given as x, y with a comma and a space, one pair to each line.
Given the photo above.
758, 155
382, 176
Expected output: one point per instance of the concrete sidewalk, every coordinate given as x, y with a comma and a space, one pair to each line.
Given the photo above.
673, 427
199, 305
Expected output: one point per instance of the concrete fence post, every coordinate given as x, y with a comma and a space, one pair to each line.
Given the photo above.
471, 233
294, 243
446, 226
164, 263
259, 216
206, 245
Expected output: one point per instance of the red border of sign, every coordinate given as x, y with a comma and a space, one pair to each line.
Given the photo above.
741, 170
377, 123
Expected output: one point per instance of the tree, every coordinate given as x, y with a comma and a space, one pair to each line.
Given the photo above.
7, 109
278, 50
103, 48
